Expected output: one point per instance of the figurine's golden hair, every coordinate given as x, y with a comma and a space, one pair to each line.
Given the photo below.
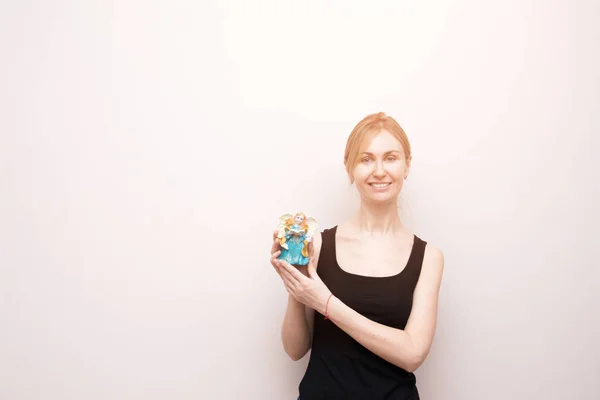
291, 221
367, 129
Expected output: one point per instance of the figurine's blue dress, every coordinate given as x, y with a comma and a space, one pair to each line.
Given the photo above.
293, 254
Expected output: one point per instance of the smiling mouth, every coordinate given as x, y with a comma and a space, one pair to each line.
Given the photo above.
379, 185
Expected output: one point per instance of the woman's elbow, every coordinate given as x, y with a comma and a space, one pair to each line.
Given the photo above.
415, 362
294, 350
412, 367
296, 356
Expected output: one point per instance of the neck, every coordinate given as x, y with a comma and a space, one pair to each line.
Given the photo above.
377, 219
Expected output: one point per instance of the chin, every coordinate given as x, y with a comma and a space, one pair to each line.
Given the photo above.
380, 198
383, 197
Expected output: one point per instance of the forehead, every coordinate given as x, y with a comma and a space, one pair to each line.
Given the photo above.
382, 142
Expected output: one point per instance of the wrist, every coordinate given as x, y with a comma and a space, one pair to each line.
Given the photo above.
327, 306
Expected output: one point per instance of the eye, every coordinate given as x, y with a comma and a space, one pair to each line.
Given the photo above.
390, 158
366, 159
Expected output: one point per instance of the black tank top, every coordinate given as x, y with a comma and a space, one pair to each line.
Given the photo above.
341, 368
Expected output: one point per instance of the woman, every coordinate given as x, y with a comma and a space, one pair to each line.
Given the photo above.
373, 284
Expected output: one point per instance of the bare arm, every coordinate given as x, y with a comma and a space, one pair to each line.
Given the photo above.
296, 330
297, 326
406, 348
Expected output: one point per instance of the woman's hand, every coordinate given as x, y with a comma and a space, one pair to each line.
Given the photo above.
275, 252
309, 290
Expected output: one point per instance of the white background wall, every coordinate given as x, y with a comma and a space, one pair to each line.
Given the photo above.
147, 149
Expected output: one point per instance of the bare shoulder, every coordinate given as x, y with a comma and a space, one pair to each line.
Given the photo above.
433, 264
434, 256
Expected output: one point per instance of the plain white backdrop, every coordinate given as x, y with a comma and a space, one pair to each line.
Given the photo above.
147, 149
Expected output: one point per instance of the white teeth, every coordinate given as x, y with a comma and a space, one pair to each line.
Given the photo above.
379, 185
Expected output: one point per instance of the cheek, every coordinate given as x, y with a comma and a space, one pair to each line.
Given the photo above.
361, 171
396, 169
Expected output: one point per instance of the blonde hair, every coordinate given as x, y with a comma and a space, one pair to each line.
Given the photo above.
366, 130
291, 221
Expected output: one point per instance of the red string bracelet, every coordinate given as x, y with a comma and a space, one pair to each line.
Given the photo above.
326, 306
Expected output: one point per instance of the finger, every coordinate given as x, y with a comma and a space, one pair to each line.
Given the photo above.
287, 276
274, 262
291, 277
289, 285
274, 256
275, 245
275, 233
290, 291
297, 275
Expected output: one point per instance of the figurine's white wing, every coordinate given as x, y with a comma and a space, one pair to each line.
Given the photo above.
313, 225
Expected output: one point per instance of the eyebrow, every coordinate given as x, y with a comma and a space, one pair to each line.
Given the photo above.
385, 154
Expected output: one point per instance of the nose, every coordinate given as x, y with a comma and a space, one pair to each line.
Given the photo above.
379, 170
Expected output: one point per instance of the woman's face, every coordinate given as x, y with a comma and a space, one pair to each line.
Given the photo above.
381, 170
298, 219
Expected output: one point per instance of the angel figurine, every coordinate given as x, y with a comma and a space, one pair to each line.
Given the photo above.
295, 232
